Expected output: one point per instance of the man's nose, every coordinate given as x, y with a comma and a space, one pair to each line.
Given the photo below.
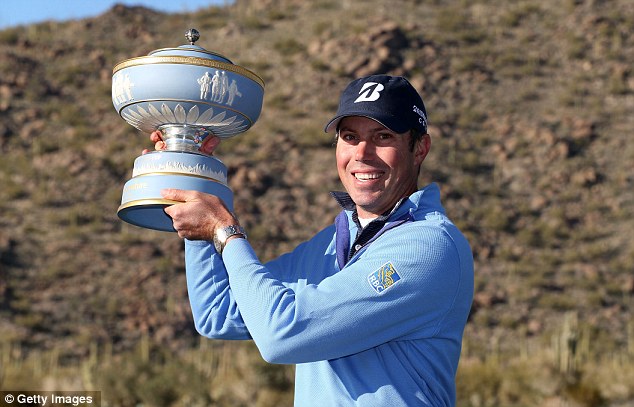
363, 150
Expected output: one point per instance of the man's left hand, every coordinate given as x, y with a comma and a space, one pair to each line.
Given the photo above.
198, 215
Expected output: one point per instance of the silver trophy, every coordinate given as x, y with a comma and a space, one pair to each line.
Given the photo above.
188, 94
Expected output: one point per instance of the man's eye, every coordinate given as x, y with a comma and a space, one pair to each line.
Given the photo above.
347, 137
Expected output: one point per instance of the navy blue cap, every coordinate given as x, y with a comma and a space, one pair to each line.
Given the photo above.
390, 100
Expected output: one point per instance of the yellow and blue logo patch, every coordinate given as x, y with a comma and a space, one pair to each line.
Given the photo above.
383, 278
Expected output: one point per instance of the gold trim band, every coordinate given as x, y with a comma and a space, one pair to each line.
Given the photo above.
146, 202
195, 48
210, 63
186, 174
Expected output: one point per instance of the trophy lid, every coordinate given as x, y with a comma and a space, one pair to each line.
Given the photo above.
189, 54
190, 50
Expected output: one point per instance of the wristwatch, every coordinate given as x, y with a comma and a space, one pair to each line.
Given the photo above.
221, 236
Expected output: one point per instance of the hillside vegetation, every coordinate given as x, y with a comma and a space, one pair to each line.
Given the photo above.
530, 105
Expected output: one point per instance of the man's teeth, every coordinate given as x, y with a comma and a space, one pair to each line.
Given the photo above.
365, 176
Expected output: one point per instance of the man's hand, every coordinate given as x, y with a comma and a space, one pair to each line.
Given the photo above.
207, 147
157, 138
199, 214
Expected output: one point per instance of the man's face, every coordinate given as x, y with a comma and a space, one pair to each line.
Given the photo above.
376, 165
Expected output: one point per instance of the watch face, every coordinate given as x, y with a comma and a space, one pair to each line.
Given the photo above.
222, 234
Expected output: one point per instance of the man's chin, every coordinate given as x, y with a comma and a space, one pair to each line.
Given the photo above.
365, 202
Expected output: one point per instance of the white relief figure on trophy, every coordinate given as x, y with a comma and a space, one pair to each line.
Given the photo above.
127, 86
115, 88
219, 94
205, 85
233, 92
215, 86
224, 86
122, 88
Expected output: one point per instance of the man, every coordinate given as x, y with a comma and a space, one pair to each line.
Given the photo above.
371, 309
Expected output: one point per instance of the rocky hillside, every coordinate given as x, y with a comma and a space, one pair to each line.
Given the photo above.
530, 105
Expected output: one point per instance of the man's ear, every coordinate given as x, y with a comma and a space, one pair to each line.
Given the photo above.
421, 148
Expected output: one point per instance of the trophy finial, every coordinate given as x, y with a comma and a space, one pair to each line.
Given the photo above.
192, 35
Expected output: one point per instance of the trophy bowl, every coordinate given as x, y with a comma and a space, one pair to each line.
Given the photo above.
188, 94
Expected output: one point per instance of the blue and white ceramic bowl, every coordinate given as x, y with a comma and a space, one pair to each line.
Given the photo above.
187, 86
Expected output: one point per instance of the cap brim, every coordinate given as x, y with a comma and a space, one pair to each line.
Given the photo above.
386, 121
332, 125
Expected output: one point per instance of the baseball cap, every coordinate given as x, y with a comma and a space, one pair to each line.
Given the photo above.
390, 100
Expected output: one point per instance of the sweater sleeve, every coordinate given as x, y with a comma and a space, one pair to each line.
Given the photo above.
423, 281
214, 309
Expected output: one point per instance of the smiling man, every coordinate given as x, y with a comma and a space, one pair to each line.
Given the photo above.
376, 165
371, 309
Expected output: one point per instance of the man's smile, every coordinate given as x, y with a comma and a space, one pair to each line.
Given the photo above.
367, 176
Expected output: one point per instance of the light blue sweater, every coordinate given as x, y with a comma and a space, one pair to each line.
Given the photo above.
385, 330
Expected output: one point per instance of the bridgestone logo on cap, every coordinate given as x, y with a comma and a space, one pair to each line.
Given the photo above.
370, 92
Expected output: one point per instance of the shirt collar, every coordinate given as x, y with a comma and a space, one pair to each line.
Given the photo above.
345, 201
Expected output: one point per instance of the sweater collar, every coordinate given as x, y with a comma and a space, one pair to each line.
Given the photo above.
345, 201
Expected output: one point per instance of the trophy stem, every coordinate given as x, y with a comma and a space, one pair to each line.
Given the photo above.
182, 137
